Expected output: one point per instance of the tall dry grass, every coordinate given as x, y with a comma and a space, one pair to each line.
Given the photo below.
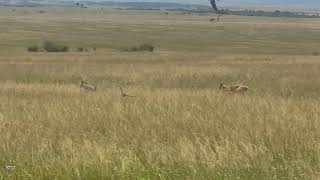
60, 132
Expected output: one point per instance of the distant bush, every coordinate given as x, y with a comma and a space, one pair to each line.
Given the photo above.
143, 47
147, 47
80, 49
85, 49
33, 48
53, 47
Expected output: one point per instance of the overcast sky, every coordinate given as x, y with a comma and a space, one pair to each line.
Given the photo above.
302, 2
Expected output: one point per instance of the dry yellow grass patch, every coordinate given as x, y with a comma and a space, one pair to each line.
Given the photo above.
179, 125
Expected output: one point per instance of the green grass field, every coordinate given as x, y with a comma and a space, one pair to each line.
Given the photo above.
179, 125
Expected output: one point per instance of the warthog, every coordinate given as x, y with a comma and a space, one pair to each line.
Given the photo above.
87, 87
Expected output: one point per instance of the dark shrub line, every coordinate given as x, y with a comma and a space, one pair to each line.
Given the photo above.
142, 47
48, 46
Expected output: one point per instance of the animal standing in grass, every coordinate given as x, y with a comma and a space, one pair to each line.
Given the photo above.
224, 87
233, 88
123, 94
239, 88
87, 87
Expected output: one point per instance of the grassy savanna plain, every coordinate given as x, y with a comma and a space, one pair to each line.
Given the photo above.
179, 125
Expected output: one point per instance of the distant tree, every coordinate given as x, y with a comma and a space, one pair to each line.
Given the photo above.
80, 49
219, 12
142, 47
214, 5
53, 47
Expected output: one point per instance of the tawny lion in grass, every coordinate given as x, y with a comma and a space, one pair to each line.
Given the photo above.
234, 88
87, 87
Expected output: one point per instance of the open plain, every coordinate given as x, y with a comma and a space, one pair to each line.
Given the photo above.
178, 125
